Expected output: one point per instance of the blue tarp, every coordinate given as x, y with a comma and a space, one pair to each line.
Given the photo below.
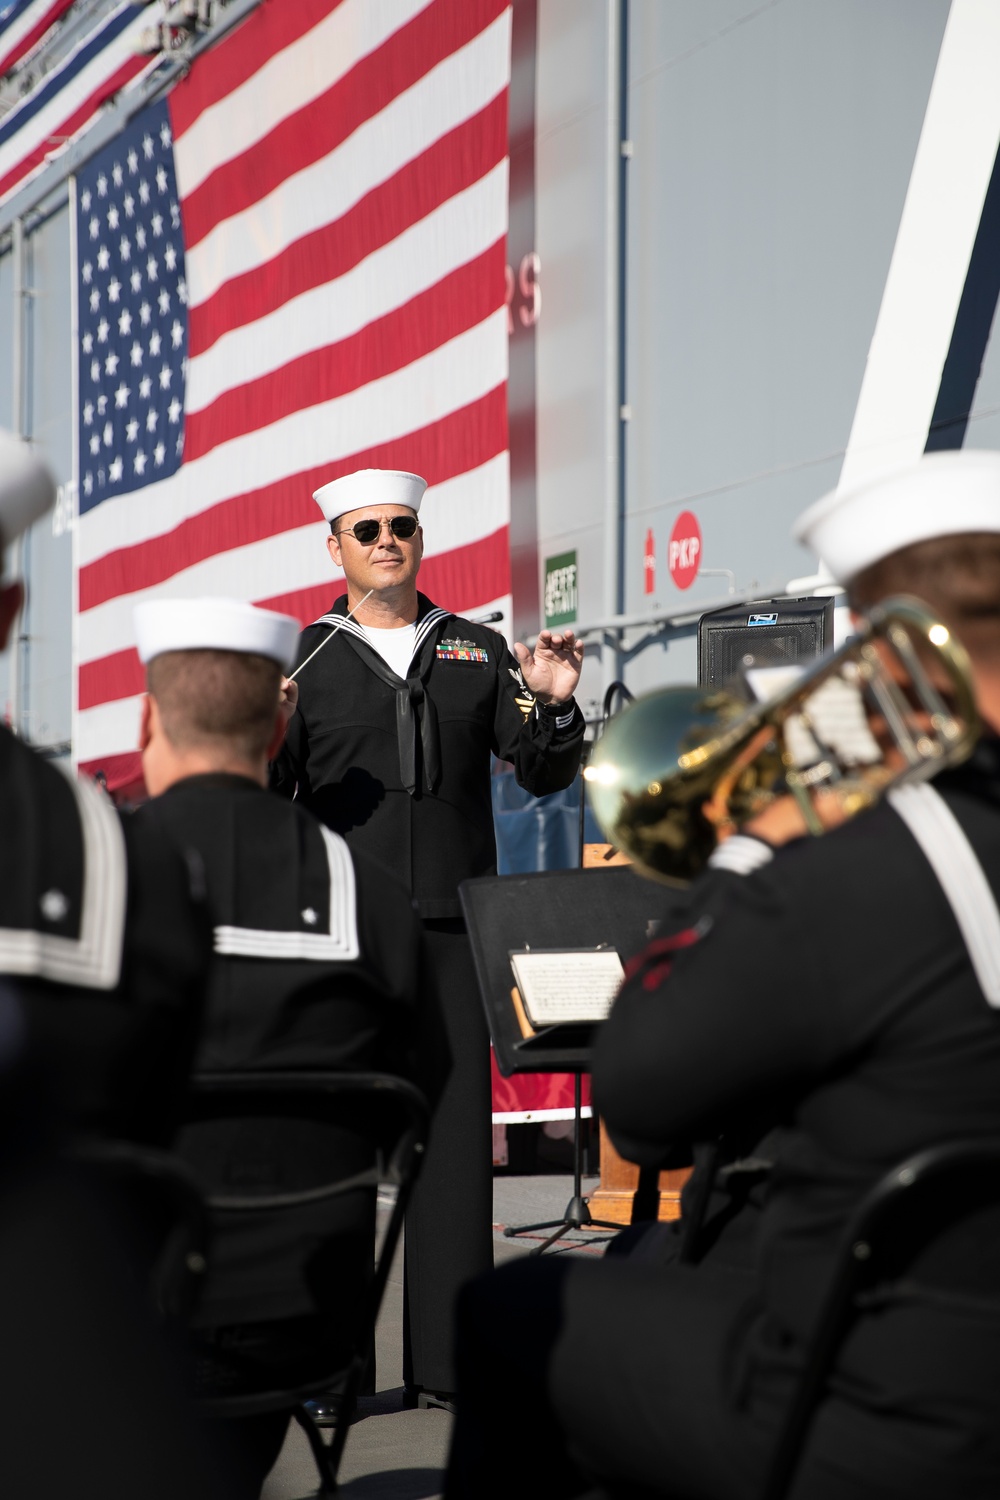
538, 833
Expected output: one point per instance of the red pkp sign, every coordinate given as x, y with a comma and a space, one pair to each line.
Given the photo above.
684, 550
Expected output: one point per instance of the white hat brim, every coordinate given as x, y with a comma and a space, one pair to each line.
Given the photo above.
942, 494
370, 487
27, 488
163, 625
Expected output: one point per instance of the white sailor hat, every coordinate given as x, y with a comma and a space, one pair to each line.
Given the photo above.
213, 625
370, 487
942, 494
27, 489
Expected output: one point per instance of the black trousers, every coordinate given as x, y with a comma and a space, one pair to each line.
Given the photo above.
449, 1226
261, 1356
666, 1381
613, 1382
74, 1315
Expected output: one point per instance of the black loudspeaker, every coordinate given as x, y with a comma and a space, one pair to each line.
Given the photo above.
767, 633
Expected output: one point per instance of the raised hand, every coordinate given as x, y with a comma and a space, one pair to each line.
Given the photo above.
289, 698
552, 670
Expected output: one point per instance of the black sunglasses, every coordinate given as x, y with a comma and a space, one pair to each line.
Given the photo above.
369, 531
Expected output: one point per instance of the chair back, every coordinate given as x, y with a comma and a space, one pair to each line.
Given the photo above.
393, 1116
903, 1202
165, 1211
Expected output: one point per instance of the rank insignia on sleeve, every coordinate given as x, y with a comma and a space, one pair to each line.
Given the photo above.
461, 651
525, 698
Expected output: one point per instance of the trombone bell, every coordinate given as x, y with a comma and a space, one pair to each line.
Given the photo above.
680, 769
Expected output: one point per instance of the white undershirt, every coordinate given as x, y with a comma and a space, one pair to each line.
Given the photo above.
394, 646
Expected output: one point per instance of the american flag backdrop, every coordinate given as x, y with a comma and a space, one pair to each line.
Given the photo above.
133, 325
65, 100
23, 24
291, 267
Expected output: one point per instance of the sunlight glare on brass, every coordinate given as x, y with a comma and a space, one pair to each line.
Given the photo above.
677, 767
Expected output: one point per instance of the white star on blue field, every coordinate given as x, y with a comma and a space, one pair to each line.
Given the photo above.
132, 312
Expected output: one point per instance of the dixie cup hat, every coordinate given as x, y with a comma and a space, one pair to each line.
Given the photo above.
163, 625
370, 487
941, 494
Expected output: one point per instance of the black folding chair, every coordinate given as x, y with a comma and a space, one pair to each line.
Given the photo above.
891, 1226
164, 1214
870, 1253
393, 1115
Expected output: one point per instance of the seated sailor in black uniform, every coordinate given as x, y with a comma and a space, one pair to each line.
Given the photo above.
98, 921
93, 1405
104, 951
832, 985
317, 966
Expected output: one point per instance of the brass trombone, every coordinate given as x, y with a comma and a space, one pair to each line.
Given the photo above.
679, 769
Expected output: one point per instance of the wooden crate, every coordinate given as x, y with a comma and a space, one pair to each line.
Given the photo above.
619, 1180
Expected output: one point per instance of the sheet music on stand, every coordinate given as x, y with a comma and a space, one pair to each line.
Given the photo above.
566, 986
606, 910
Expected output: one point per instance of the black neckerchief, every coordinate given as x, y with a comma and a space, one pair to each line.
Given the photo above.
413, 705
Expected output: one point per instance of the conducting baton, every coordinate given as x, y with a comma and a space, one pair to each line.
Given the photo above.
333, 632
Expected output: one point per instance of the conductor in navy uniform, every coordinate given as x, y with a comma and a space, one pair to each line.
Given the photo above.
826, 985
393, 718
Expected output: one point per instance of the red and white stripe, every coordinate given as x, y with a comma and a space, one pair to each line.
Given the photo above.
74, 107
343, 173
27, 30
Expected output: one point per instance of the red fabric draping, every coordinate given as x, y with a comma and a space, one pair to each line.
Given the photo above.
535, 1096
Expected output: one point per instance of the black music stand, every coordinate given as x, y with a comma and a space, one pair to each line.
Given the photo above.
555, 909
576, 1214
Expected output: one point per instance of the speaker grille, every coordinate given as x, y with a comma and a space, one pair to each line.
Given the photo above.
733, 651
728, 646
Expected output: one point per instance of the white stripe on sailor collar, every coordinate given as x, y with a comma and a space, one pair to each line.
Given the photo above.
424, 627
952, 858
741, 855
93, 960
339, 944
